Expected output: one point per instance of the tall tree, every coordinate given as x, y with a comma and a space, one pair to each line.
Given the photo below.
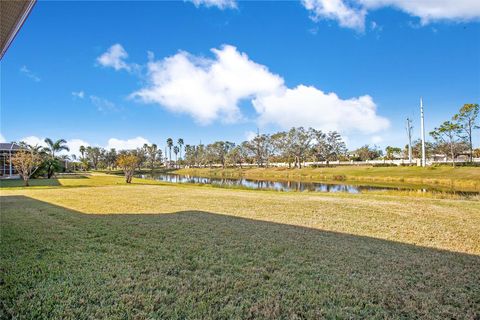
55, 146
300, 140
153, 155
111, 158
368, 153
180, 144
321, 148
219, 150
52, 164
417, 148
236, 156
201, 155
391, 151
447, 133
82, 150
466, 119
255, 148
94, 156
338, 148
281, 146
170, 145
176, 150
190, 155
328, 147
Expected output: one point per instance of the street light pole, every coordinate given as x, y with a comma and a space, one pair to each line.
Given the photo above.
422, 128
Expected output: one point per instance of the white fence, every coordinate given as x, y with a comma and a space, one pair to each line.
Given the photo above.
400, 162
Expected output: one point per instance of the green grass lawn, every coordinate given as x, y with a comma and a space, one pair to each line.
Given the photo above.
460, 178
73, 180
92, 247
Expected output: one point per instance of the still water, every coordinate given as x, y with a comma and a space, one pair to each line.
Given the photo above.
267, 185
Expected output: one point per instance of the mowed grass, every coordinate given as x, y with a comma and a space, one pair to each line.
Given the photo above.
147, 251
442, 177
72, 180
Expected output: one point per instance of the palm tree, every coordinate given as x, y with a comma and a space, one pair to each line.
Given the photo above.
82, 151
180, 143
56, 146
170, 145
52, 164
65, 158
176, 149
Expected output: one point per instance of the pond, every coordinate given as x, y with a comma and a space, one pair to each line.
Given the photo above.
282, 185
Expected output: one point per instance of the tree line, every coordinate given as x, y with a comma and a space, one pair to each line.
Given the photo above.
299, 145
293, 147
454, 136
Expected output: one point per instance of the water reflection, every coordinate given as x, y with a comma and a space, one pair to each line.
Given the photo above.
263, 184
291, 185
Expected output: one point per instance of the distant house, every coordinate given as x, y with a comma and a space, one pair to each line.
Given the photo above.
6, 152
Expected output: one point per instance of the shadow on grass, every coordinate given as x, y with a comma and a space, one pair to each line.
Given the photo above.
39, 182
59, 263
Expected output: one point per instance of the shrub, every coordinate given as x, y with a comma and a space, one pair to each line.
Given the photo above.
384, 165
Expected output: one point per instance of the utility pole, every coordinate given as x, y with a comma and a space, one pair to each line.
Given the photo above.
422, 128
409, 133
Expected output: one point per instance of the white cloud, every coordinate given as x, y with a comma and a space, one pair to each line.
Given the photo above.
250, 135
221, 4
310, 107
128, 144
102, 104
336, 10
431, 10
74, 146
376, 139
114, 57
210, 89
2, 138
207, 89
351, 14
29, 73
34, 141
78, 94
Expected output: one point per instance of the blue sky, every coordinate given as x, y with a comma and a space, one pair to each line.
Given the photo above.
358, 67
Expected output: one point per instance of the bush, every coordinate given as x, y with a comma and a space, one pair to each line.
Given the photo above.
384, 165
458, 164
322, 166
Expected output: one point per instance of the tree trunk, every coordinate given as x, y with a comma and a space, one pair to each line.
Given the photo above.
26, 182
128, 175
453, 155
471, 144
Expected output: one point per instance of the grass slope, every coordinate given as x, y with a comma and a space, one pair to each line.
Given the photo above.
460, 178
102, 250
